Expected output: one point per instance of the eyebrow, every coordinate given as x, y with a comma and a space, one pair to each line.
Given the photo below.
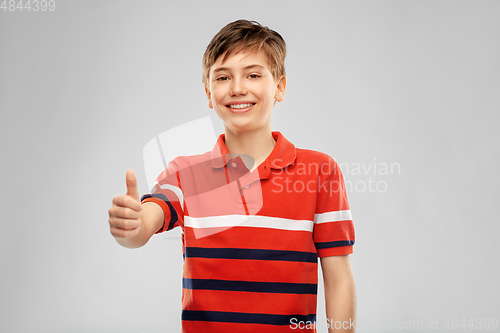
221, 69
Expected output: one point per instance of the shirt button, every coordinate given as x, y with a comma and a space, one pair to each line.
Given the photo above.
234, 165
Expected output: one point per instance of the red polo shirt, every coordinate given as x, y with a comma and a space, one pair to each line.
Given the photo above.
251, 239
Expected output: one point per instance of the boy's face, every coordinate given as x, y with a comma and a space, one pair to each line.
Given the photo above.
244, 80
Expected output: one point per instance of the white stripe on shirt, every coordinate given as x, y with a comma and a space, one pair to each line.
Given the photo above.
341, 215
248, 221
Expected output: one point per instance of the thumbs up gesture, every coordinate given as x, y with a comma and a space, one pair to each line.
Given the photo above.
124, 214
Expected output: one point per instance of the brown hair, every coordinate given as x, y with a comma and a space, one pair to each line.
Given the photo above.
246, 35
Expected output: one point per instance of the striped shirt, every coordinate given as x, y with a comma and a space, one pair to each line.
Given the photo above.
251, 240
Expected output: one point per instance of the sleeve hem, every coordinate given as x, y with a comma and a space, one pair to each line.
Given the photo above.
166, 212
335, 251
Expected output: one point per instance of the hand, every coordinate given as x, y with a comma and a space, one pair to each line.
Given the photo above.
124, 214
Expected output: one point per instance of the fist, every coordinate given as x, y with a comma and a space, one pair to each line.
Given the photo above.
124, 214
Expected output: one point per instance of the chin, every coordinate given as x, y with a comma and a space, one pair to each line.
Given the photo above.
243, 127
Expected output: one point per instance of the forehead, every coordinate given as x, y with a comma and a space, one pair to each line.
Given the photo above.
241, 59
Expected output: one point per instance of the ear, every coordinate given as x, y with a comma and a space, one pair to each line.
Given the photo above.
207, 92
281, 87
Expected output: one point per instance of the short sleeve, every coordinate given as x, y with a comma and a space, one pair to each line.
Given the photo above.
167, 193
333, 232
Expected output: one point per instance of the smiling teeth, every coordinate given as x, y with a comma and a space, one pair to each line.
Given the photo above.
240, 106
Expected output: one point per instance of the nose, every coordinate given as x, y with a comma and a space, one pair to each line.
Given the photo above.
237, 87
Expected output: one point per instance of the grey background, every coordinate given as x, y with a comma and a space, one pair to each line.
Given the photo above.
84, 88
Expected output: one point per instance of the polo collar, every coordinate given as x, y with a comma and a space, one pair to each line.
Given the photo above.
283, 153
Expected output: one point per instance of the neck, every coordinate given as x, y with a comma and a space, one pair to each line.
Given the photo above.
257, 144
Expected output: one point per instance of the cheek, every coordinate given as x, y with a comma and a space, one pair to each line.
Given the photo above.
217, 95
268, 95
217, 100
268, 92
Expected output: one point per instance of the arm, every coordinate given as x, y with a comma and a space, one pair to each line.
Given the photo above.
340, 293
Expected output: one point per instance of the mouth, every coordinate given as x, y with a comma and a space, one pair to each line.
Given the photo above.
240, 107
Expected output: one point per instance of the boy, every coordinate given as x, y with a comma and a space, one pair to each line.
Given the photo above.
256, 212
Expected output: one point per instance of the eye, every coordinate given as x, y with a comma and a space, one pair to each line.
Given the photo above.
253, 76
221, 78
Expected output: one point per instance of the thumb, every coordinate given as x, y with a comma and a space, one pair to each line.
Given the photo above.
132, 185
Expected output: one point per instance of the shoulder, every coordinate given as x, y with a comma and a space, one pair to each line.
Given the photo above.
313, 156
317, 163
186, 163
190, 160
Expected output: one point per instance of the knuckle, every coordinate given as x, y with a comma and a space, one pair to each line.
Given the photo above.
114, 232
119, 199
112, 221
125, 224
131, 202
131, 224
126, 213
